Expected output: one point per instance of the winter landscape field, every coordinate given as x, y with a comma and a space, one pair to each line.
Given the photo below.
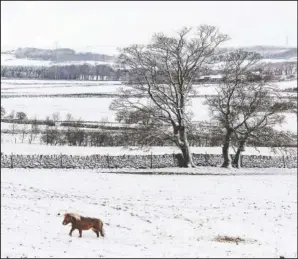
216, 213
97, 108
150, 215
176, 129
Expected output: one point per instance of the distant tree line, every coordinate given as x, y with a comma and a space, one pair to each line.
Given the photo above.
105, 72
67, 72
74, 132
76, 136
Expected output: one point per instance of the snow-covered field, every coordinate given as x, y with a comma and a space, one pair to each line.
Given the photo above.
11, 60
89, 109
148, 215
7, 84
73, 86
96, 109
282, 60
44, 82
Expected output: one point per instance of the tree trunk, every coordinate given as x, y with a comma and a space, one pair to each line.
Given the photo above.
236, 161
225, 150
187, 156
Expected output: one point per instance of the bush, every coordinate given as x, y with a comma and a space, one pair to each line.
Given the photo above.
21, 116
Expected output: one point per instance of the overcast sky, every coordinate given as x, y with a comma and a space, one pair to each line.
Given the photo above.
102, 26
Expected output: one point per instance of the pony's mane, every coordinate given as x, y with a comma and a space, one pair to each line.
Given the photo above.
73, 215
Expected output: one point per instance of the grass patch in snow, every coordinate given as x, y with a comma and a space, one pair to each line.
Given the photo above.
229, 239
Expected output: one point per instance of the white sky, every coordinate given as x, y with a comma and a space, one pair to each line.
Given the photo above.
103, 26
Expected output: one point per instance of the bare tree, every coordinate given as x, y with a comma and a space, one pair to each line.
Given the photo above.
13, 124
133, 117
261, 125
21, 116
69, 117
243, 105
282, 140
69, 132
56, 117
164, 71
24, 132
51, 133
34, 131
11, 115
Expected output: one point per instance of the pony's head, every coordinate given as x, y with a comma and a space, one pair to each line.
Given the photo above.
70, 218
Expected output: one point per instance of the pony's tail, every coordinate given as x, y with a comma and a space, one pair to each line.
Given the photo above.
102, 232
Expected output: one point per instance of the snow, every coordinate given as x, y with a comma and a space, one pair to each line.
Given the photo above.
34, 149
11, 60
53, 83
211, 76
37, 87
90, 109
290, 123
286, 84
96, 109
206, 89
220, 65
73, 85
111, 89
282, 60
148, 215
9, 86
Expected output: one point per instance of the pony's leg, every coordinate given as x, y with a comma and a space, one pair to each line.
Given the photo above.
80, 230
96, 232
72, 229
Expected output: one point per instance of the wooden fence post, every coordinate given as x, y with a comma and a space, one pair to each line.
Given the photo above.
11, 160
284, 161
61, 163
174, 160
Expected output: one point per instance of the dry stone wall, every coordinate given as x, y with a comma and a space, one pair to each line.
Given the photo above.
135, 161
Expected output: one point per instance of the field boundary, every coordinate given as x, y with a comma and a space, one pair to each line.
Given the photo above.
138, 161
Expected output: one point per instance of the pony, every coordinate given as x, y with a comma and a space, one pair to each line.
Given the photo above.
83, 223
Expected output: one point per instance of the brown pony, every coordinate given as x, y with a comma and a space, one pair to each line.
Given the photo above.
83, 223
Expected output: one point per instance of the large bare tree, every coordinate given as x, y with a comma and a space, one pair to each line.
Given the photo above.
244, 105
163, 72
261, 126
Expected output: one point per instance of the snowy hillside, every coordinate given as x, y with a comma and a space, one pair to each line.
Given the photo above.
40, 57
273, 52
148, 216
11, 60
96, 109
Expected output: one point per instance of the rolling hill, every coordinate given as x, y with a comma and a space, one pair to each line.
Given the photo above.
67, 56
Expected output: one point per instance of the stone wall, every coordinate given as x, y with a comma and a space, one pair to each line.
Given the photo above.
135, 161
